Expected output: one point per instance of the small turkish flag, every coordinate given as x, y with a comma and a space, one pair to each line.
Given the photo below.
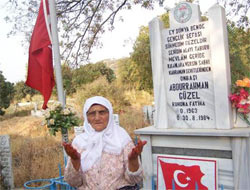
40, 68
183, 177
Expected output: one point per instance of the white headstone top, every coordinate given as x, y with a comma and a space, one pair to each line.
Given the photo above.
184, 14
191, 74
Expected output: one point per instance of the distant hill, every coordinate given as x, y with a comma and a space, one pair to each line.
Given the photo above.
112, 63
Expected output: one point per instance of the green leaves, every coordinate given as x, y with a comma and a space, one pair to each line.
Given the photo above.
6, 93
90, 72
22, 90
239, 51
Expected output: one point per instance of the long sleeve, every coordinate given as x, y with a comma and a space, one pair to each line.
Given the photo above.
110, 173
73, 177
132, 177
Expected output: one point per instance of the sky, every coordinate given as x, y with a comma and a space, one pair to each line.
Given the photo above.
116, 44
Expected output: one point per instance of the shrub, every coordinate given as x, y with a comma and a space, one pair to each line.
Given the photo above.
101, 87
6, 93
139, 98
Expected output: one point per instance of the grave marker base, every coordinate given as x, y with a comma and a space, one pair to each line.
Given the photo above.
229, 147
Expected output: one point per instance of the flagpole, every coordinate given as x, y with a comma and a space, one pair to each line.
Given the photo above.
56, 52
57, 66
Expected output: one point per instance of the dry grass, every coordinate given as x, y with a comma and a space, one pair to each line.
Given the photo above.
132, 119
36, 154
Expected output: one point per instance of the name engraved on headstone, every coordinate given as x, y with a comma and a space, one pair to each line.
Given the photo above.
5, 161
188, 76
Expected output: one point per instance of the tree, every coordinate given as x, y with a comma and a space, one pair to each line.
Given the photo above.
140, 69
142, 64
101, 87
22, 90
137, 70
80, 22
126, 69
238, 10
90, 72
239, 51
67, 75
6, 93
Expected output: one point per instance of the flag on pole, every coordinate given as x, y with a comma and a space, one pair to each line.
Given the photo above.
40, 67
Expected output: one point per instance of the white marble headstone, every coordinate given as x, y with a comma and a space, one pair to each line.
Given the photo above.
191, 74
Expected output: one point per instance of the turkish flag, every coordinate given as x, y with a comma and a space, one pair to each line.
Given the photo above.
183, 177
40, 68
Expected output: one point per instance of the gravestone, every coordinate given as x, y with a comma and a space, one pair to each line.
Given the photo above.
148, 113
192, 80
6, 161
36, 112
190, 64
78, 130
116, 119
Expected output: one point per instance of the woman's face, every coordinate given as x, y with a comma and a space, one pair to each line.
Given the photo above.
98, 117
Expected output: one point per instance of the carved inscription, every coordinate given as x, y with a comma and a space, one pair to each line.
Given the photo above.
188, 76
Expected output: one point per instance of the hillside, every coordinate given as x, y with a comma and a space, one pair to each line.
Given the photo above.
112, 63
35, 154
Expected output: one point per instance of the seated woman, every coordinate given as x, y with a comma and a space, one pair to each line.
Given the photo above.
104, 156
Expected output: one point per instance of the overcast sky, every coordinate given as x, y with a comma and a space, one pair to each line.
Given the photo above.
116, 44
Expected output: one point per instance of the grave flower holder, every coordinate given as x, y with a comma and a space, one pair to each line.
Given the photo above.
241, 120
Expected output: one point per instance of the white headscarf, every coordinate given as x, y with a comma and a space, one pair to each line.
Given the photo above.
111, 140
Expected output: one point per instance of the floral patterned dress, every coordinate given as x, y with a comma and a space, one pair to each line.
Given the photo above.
110, 173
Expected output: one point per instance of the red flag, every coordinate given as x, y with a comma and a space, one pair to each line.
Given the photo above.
40, 67
183, 177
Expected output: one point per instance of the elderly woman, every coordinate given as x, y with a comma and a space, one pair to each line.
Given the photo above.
104, 156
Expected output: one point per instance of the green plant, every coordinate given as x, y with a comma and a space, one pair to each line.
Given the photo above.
59, 118
6, 93
22, 91
101, 87
90, 72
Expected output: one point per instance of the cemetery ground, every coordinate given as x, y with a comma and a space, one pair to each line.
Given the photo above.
35, 153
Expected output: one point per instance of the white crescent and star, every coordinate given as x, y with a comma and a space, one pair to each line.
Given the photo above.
176, 173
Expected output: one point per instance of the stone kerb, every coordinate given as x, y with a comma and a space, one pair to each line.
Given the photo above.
191, 71
6, 161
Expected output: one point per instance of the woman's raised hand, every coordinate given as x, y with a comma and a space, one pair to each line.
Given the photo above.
136, 151
133, 162
71, 152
